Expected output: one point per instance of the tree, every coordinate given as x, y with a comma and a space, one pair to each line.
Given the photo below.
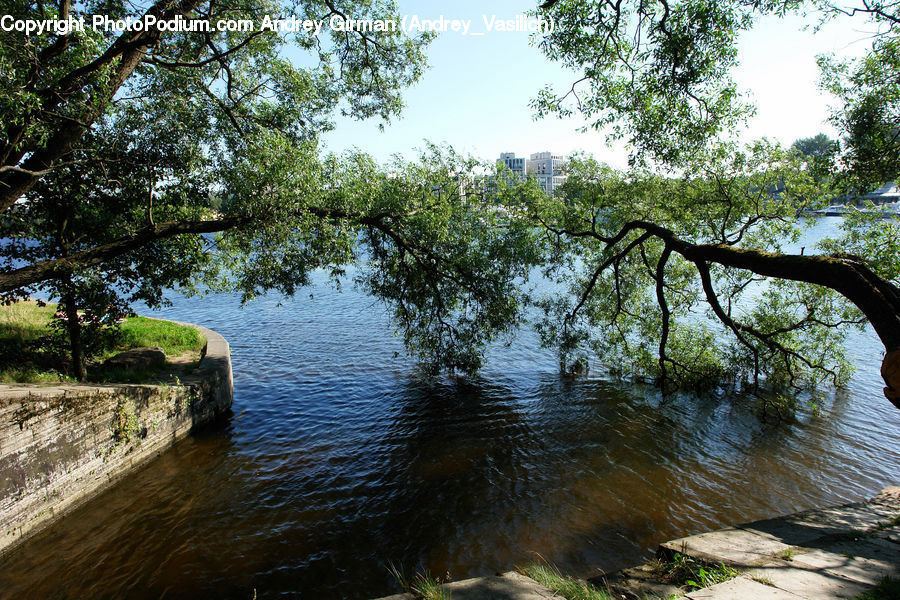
219, 93
121, 155
153, 160
819, 153
709, 226
818, 147
869, 114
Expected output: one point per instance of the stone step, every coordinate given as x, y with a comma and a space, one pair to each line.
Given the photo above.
836, 552
508, 586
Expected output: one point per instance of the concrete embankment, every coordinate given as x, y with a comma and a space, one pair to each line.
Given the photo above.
63, 444
836, 552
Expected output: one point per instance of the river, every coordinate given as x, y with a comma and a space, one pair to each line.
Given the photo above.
340, 459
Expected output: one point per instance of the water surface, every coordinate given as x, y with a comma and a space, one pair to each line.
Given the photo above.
340, 458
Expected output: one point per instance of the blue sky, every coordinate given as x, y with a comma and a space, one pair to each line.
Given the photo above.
475, 94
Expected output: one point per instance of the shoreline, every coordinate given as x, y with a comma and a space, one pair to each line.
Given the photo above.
834, 552
62, 444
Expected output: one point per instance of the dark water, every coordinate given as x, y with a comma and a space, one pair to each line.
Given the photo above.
339, 459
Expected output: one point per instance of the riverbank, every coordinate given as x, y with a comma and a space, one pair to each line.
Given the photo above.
34, 350
836, 552
62, 444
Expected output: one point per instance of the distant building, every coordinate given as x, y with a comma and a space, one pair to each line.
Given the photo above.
545, 167
516, 166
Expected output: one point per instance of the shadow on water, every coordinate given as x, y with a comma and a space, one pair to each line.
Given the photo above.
465, 477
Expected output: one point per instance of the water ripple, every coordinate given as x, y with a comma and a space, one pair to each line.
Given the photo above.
341, 458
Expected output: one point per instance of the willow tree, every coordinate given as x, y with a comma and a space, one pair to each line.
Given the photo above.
213, 96
702, 221
137, 161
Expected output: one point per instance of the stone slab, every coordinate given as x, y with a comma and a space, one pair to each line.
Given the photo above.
802, 528
733, 546
794, 530
742, 587
859, 517
508, 586
811, 584
892, 534
638, 582
865, 560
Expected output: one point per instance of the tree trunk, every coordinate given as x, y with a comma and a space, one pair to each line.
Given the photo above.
74, 328
890, 371
124, 56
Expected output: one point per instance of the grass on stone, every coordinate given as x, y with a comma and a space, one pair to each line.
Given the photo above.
693, 574
887, 589
787, 554
23, 360
564, 585
421, 585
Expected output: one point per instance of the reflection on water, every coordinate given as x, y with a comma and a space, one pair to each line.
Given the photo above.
339, 459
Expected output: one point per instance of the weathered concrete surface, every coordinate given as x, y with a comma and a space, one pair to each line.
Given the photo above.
755, 544
638, 582
733, 546
803, 583
62, 444
509, 586
836, 552
742, 587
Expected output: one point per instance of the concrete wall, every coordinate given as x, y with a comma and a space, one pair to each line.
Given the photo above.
62, 444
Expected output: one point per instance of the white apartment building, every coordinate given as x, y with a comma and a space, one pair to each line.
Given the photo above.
545, 167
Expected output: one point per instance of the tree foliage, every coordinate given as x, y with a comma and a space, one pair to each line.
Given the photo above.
121, 153
643, 251
656, 73
868, 116
657, 284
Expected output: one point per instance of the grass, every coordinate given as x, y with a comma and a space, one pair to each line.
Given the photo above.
787, 554
422, 585
174, 339
692, 574
23, 360
24, 322
564, 585
887, 589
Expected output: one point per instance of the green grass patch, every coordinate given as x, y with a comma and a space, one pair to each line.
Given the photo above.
692, 574
25, 357
423, 586
887, 589
24, 322
564, 585
174, 339
892, 522
787, 554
